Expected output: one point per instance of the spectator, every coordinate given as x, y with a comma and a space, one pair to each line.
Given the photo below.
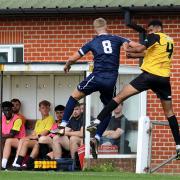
82, 107
42, 128
117, 129
16, 108
12, 130
44, 144
73, 137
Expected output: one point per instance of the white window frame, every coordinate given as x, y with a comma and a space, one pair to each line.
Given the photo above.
9, 49
6, 50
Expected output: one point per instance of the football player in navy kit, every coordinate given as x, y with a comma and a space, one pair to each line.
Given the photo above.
106, 51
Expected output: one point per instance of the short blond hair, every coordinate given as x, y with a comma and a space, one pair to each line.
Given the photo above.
99, 23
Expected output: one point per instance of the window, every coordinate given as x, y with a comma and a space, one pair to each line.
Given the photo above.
3, 56
18, 54
11, 53
120, 137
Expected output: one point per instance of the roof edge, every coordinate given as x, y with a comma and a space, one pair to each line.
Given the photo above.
89, 10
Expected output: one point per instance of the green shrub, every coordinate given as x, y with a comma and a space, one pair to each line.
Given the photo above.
105, 167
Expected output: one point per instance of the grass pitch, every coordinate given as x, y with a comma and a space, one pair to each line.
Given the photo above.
33, 175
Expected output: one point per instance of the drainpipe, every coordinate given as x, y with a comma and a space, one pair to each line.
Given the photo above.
138, 28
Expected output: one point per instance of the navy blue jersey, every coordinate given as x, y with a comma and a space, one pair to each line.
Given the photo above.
106, 52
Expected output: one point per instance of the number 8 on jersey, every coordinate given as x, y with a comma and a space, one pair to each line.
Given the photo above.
107, 46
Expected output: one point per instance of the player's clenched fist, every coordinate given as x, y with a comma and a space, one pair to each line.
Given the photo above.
67, 68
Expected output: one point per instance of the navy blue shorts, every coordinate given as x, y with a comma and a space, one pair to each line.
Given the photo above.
93, 83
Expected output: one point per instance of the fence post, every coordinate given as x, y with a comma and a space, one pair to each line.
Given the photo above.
142, 144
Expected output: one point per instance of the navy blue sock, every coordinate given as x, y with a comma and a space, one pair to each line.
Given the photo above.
103, 125
69, 109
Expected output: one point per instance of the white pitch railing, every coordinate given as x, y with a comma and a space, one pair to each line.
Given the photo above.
142, 144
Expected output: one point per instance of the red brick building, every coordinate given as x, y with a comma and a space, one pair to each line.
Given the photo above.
50, 32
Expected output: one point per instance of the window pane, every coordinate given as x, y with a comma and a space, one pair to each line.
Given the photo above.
3, 57
120, 136
18, 54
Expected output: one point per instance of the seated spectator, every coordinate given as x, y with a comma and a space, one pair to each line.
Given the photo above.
42, 128
117, 129
44, 144
12, 130
73, 136
16, 108
83, 108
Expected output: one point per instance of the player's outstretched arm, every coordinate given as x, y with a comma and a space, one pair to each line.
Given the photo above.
131, 44
135, 55
71, 60
137, 49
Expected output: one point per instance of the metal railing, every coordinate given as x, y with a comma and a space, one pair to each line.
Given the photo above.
149, 169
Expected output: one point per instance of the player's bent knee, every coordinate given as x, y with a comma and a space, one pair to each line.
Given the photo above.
73, 138
25, 143
8, 141
42, 139
77, 94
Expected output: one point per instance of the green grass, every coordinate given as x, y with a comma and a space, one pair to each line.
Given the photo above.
32, 175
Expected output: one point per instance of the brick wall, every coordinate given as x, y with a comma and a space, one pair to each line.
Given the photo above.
55, 38
128, 165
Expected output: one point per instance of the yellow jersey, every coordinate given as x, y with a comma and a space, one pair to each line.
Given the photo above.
157, 59
43, 124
